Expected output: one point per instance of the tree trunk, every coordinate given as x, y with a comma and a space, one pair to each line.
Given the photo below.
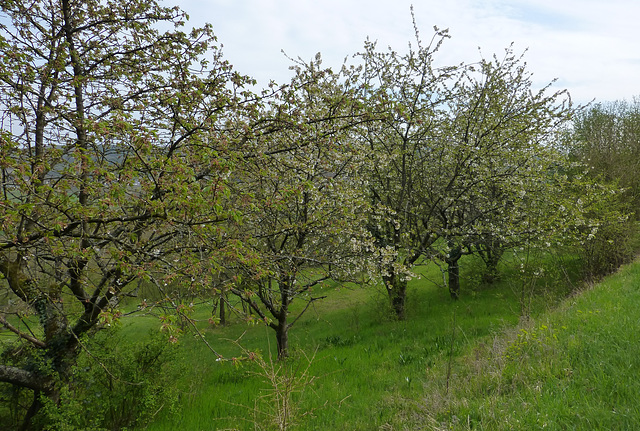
397, 290
223, 311
491, 271
36, 405
223, 317
491, 252
50, 390
61, 353
453, 271
282, 338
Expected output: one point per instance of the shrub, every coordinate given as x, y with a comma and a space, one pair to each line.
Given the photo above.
117, 384
606, 251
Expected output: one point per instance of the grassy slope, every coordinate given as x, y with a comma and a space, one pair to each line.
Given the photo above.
471, 364
370, 371
574, 368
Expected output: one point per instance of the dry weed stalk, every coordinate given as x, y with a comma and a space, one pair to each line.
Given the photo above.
277, 407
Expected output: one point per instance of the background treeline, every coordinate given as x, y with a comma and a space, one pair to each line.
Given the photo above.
142, 174
605, 137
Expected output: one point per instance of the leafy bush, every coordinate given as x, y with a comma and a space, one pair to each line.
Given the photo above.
612, 246
116, 385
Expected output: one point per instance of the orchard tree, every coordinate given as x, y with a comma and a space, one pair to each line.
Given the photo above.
114, 158
606, 137
605, 141
461, 155
406, 93
303, 222
496, 164
504, 181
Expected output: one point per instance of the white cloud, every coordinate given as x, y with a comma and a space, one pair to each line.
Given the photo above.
589, 45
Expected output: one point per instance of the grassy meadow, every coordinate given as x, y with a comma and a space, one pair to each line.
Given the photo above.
573, 368
534, 350
355, 368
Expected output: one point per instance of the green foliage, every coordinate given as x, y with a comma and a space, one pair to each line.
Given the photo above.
120, 131
117, 384
303, 219
463, 161
606, 137
613, 245
134, 158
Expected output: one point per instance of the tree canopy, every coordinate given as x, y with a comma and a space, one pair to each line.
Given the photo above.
109, 169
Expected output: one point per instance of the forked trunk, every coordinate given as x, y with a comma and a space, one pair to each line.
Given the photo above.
36, 405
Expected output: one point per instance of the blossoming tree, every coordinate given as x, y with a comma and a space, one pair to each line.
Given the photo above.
304, 207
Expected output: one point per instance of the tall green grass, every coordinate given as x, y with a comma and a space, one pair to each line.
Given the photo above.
573, 368
369, 370
504, 356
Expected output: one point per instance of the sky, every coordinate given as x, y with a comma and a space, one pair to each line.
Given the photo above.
590, 47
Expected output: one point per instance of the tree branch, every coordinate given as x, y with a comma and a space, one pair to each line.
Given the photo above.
19, 377
21, 334
311, 300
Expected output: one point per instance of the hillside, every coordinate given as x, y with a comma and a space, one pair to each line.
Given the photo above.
572, 368
474, 364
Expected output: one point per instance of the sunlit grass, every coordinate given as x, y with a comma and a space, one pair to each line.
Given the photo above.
572, 368
370, 369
